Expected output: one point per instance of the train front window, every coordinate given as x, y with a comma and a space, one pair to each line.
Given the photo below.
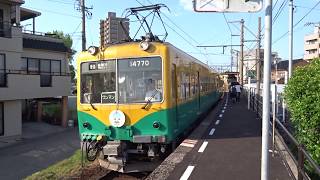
98, 82
140, 80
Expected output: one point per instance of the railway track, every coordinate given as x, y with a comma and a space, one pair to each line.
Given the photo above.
128, 176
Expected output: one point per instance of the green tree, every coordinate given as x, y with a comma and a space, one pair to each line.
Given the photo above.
67, 40
302, 95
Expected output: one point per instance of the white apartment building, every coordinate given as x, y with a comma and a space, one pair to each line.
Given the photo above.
32, 66
312, 45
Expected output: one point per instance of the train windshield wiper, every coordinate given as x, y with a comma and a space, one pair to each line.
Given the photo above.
93, 107
149, 100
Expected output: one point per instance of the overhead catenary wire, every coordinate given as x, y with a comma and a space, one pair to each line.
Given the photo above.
185, 39
54, 12
61, 2
280, 10
297, 23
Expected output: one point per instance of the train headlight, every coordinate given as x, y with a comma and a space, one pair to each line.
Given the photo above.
144, 45
156, 125
117, 118
93, 50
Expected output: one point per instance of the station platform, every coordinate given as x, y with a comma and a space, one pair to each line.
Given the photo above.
226, 145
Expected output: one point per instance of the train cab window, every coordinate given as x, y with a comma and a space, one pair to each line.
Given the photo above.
98, 82
140, 80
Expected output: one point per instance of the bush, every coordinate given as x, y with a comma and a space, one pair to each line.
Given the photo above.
302, 95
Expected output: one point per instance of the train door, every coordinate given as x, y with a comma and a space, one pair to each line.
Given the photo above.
174, 94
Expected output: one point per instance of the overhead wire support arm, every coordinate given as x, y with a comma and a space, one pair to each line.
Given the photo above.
220, 45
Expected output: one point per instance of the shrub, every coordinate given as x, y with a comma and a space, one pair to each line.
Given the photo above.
302, 95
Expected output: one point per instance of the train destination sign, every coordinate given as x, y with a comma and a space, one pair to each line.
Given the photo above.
103, 65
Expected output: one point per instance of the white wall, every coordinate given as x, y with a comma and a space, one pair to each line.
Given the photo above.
28, 87
12, 118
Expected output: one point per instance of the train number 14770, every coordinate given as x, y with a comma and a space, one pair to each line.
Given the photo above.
139, 63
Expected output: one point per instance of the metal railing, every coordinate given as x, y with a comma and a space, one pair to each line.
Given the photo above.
26, 72
301, 156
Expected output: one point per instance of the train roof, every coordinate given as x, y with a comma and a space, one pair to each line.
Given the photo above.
212, 70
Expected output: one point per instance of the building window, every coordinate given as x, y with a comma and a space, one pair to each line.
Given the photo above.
45, 75
55, 67
3, 74
1, 23
33, 66
1, 119
24, 65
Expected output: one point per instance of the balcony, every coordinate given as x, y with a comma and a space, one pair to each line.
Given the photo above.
311, 56
310, 37
311, 46
25, 85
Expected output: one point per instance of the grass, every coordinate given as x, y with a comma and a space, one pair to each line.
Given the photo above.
62, 169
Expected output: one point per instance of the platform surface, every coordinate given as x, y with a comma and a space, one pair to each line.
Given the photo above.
229, 148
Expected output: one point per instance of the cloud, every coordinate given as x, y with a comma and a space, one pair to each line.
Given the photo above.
187, 4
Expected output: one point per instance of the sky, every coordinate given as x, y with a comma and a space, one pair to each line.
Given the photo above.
186, 29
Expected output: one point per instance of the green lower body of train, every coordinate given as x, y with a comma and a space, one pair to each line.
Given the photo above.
142, 137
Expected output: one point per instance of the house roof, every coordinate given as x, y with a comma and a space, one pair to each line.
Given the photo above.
283, 65
26, 14
12, 1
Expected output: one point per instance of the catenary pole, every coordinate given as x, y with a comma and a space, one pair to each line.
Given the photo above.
241, 51
290, 37
266, 91
258, 63
83, 12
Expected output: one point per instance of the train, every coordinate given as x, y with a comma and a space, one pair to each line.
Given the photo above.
135, 99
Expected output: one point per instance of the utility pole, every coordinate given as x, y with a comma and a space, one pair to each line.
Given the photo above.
83, 9
290, 37
258, 61
266, 91
231, 56
241, 50
84, 12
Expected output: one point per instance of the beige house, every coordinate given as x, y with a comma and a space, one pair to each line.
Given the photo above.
312, 45
32, 66
279, 71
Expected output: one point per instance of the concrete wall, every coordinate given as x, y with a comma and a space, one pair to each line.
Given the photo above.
12, 118
28, 87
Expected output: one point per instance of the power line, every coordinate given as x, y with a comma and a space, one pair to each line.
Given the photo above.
297, 22
61, 2
227, 22
54, 12
315, 9
76, 29
282, 6
177, 32
180, 29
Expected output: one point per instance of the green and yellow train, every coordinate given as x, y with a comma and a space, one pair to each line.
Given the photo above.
135, 98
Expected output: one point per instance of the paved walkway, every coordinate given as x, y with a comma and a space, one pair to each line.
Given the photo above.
230, 149
31, 155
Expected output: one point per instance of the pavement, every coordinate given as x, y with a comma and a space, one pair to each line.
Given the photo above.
41, 145
226, 145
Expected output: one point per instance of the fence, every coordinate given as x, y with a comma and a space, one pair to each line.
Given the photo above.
282, 129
